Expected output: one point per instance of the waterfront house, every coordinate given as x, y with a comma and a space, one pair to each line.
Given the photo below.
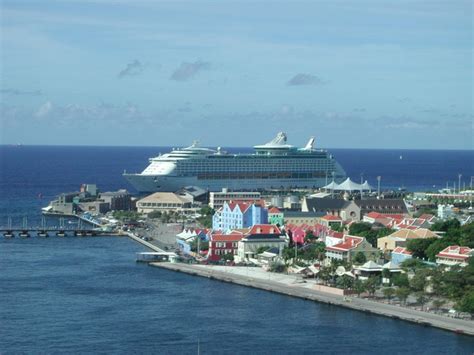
348, 247
221, 244
454, 255
235, 215
261, 235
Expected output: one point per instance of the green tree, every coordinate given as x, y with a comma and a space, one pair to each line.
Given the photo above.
400, 280
421, 298
325, 273
419, 281
360, 258
228, 257
288, 254
345, 282
412, 265
402, 293
359, 227
154, 214
371, 285
359, 287
419, 246
466, 304
389, 292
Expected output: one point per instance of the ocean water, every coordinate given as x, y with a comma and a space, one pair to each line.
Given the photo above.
83, 295
30, 176
87, 295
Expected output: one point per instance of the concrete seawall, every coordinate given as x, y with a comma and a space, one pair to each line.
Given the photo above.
290, 286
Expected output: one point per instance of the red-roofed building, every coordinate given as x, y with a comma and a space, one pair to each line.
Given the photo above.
454, 255
222, 244
348, 247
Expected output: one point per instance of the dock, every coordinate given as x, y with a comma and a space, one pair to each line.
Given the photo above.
291, 286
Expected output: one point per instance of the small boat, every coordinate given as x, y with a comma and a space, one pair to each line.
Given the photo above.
79, 233
43, 233
8, 234
61, 233
24, 234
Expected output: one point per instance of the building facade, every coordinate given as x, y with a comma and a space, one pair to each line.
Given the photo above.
217, 199
235, 215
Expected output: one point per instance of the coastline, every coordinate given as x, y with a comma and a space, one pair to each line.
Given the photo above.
291, 286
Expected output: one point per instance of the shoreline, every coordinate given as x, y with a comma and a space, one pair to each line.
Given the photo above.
288, 285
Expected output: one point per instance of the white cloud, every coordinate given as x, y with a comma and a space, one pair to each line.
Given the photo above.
44, 109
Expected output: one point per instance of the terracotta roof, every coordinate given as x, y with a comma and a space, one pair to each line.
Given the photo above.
401, 250
274, 210
413, 233
242, 206
456, 252
426, 216
265, 229
231, 237
348, 243
330, 217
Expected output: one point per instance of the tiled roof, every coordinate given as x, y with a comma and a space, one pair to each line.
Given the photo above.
456, 252
274, 210
231, 237
264, 229
242, 206
330, 217
348, 243
401, 250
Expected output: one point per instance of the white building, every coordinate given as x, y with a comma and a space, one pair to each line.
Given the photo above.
454, 255
445, 211
217, 199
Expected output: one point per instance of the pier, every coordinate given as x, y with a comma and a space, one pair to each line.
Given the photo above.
292, 286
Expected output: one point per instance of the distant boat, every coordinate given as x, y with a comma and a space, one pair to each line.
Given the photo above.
401, 157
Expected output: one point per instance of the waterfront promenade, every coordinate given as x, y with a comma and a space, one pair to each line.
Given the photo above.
292, 285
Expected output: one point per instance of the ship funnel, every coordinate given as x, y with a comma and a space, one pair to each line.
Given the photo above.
309, 145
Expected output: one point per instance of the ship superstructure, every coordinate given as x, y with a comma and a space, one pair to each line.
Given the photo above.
273, 165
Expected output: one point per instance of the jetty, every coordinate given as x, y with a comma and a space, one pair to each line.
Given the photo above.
292, 286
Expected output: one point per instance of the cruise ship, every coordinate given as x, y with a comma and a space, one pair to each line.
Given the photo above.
273, 165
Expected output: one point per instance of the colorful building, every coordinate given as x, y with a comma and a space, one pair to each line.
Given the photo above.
234, 215
222, 244
275, 216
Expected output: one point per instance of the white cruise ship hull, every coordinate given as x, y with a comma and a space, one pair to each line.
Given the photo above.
150, 183
273, 165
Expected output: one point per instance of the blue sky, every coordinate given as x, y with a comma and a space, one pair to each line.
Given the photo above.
358, 74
